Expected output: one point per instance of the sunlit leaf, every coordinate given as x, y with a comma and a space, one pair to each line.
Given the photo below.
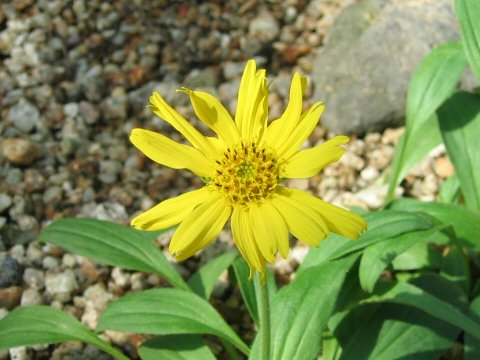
167, 311
175, 347
459, 119
35, 325
432, 83
465, 222
377, 257
468, 13
449, 309
303, 308
112, 244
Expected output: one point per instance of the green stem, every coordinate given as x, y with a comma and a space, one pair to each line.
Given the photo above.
264, 316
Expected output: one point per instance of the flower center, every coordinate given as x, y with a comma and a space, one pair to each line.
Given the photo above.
247, 173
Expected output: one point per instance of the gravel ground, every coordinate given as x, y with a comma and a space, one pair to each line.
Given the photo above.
75, 78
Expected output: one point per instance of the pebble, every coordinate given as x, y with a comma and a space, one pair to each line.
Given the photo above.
10, 297
19, 151
264, 27
31, 297
5, 202
10, 271
34, 278
24, 116
61, 286
18, 353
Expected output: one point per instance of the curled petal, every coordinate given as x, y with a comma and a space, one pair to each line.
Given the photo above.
338, 220
200, 227
243, 235
214, 115
280, 130
306, 163
252, 106
161, 108
304, 225
171, 212
167, 152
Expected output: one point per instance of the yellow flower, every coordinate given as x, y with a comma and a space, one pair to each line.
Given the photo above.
243, 168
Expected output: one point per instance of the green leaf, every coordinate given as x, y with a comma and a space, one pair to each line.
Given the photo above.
391, 331
419, 256
433, 81
451, 310
466, 223
34, 325
450, 191
301, 310
167, 311
112, 244
472, 345
456, 268
382, 225
204, 280
175, 347
468, 13
331, 349
378, 256
459, 119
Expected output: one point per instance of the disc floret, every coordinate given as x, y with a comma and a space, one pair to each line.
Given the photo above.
247, 173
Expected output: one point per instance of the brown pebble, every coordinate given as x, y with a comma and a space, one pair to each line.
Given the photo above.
443, 167
19, 151
10, 297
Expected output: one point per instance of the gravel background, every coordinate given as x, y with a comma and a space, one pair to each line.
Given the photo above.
75, 78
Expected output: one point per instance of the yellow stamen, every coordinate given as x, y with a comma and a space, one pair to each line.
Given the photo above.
247, 173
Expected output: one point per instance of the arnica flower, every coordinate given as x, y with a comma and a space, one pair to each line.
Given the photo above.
243, 168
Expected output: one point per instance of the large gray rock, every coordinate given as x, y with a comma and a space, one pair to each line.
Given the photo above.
363, 72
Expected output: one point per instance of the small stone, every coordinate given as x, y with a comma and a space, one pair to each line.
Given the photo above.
24, 116
5, 202
96, 300
10, 297
264, 27
443, 167
19, 151
69, 261
34, 278
369, 173
61, 286
31, 297
19, 353
50, 262
88, 112
52, 195
10, 271
119, 277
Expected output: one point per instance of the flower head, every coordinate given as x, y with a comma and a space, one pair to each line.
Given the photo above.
243, 168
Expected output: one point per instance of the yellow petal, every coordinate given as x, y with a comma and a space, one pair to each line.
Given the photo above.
167, 152
214, 115
338, 220
244, 238
280, 130
160, 107
252, 105
201, 227
271, 231
303, 224
306, 163
302, 131
172, 211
